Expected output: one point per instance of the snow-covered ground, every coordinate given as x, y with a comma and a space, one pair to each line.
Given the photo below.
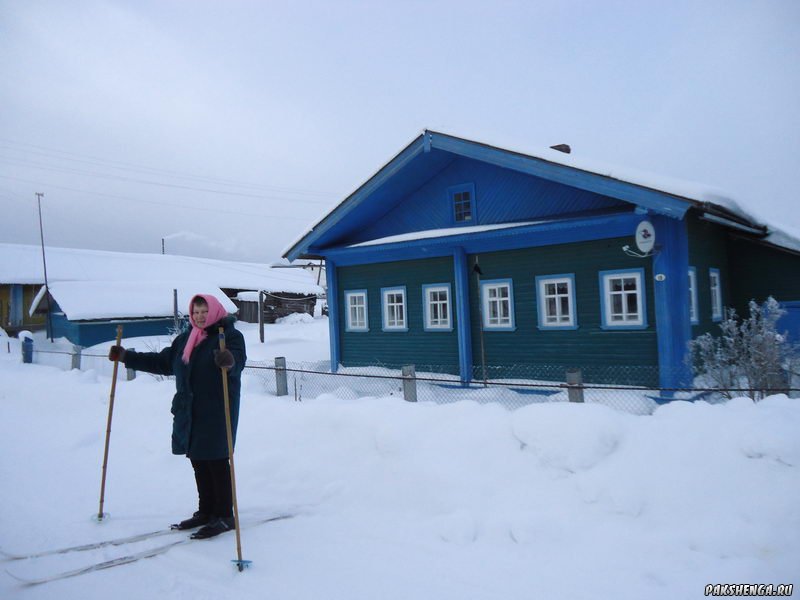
394, 500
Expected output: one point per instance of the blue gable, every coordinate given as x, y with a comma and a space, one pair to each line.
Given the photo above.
499, 196
410, 193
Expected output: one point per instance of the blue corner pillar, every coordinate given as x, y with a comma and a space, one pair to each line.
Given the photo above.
671, 288
463, 328
333, 312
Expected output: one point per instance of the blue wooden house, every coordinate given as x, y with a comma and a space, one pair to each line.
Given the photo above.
460, 256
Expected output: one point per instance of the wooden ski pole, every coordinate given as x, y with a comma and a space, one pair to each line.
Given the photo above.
240, 564
100, 515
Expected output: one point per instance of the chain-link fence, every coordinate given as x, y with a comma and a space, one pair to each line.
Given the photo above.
630, 388
531, 384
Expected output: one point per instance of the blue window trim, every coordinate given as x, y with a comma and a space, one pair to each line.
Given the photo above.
693, 297
387, 290
642, 295
347, 326
716, 318
486, 327
428, 286
451, 192
540, 304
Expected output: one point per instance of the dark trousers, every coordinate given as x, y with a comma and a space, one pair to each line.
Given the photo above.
213, 479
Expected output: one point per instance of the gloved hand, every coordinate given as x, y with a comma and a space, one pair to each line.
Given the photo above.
224, 359
116, 353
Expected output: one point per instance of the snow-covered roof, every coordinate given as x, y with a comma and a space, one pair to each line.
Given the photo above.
89, 300
690, 190
704, 197
22, 264
438, 233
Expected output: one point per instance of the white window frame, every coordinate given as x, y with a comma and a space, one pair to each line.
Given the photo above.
694, 313
606, 300
498, 323
391, 320
715, 286
349, 295
445, 320
558, 320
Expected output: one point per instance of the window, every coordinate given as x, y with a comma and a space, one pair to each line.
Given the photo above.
497, 304
693, 314
394, 309
716, 294
622, 299
436, 302
555, 297
462, 200
356, 304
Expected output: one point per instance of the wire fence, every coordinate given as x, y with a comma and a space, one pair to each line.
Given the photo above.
630, 388
434, 384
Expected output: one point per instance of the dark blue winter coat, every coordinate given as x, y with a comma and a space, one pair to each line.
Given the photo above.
198, 426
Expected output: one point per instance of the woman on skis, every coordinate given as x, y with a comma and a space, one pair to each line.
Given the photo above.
198, 427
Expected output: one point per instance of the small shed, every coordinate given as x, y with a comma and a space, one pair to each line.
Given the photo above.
275, 305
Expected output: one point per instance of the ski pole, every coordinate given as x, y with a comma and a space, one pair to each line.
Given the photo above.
100, 514
241, 564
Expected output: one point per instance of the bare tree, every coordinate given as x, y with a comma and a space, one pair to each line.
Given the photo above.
749, 353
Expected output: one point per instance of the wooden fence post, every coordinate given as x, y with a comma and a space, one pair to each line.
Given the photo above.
409, 383
27, 350
575, 385
261, 316
130, 374
76, 357
281, 383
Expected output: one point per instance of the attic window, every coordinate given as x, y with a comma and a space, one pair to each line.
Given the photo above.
462, 199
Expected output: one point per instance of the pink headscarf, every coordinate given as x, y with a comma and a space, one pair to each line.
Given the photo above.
215, 312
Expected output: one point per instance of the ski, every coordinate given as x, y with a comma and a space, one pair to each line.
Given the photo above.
106, 564
127, 559
8, 556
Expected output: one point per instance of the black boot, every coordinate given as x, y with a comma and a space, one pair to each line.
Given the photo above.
196, 520
214, 528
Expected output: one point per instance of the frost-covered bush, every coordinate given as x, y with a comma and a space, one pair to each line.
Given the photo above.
750, 353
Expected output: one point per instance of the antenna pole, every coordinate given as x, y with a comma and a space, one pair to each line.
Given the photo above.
44, 266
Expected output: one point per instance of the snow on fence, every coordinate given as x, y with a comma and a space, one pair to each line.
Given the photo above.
511, 386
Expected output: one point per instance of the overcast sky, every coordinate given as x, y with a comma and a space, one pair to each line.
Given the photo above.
227, 128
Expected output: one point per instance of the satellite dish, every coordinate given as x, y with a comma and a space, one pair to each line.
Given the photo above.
645, 237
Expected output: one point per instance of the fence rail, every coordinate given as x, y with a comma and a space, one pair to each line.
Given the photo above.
520, 385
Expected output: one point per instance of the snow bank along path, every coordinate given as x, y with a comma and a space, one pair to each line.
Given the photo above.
398, 501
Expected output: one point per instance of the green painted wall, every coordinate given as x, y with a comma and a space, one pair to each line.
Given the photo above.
760, 271
535, 353
749, 271
394, 349
547, 354
708, 248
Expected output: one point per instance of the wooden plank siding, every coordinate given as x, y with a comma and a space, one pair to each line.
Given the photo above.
7, 319
500, 196
90, 333
708, 244
587, 347
395, 349
762, 271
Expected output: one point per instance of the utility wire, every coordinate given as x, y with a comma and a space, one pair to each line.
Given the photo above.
18, 162
153, 202
96, 161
